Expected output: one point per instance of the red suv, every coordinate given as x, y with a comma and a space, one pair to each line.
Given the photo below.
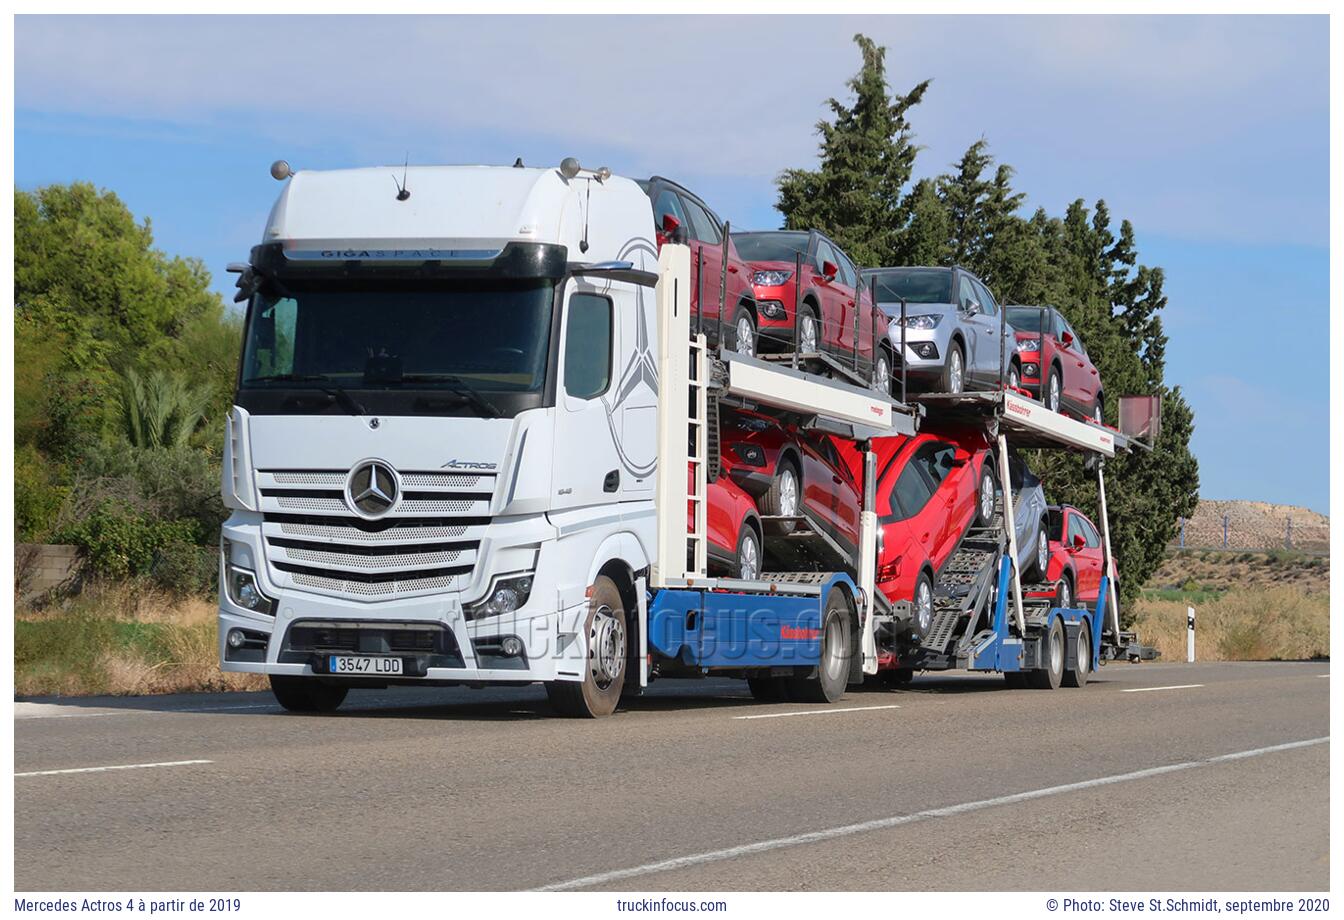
1075, 557
1055, 366
930, 489
836, 313
790, 471
681, 217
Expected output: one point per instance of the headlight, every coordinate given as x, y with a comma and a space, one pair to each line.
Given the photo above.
507, 595
771, 277
1028, 344
241, 586
921, 321
771, 309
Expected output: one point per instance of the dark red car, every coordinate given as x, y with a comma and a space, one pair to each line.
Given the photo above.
790, 471
1076, 555
1055, 366
681, 217
732, 528
836, 314
930, 489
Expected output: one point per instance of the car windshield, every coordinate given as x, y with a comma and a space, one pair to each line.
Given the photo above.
1025, 319
482, 336
915, 285
771, 247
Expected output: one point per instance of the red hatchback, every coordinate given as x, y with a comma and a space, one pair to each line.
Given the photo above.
1055, 366
681, 217
835, 312
732, 529
790, 472
1076, 557
930, 489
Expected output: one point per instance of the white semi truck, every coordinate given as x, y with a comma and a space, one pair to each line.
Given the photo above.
467, 405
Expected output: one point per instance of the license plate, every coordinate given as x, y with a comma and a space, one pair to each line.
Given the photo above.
370, 665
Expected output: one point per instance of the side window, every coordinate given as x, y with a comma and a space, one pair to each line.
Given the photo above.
988, 305
825, 254
848, 277
703, 227
965, 292
1059, 326
936, 460
911, 493
588, 346
668, 203
1089, 533
1075, 528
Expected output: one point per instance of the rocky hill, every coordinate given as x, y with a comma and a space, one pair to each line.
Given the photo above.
1257, 525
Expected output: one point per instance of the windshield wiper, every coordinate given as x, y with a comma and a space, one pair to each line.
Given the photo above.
460, 387
334, 390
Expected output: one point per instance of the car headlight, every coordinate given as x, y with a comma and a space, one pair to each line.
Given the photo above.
1028, 344
920, 321
507, 595
771, 277
241, 585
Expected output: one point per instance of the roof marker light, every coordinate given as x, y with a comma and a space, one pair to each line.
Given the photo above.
569, 167
280, 170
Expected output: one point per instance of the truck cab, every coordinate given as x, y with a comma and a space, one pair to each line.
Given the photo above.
443, 432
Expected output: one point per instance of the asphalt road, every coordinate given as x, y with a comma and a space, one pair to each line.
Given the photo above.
956, 783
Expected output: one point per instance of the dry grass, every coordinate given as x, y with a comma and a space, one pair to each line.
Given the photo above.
1255, 624
120, 638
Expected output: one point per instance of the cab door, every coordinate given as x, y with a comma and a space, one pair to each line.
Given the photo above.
586, 468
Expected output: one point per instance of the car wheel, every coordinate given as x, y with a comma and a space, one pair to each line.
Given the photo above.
882, 374
1097, 415
1052, 650
1014, 378
921, 612
833, 667
954, 371
1053, 391
1082, 654
784, 498
984, 497
748, 554
1064, 594
808, 338
1041, 562
599, 691
306, 694
744, 329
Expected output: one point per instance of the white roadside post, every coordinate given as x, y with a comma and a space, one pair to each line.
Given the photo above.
1190, 634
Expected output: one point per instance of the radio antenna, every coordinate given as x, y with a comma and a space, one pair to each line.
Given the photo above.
402, 192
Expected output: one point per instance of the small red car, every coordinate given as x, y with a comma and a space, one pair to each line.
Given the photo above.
732, 528
1055, 366
789, 471
1075, 557
835, 314
681, 217
930, 489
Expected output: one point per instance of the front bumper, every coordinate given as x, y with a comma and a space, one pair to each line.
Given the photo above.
925, 351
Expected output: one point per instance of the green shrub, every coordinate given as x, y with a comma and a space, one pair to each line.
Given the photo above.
118, 542
38, 497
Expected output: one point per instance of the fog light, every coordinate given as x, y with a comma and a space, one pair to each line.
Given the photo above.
236, 638
771, 309
1030, 370
511, 646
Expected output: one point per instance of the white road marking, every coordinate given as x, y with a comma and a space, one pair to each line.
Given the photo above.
1322, 675
124, 766
24, 712
779, 843
1172, 687
817, 712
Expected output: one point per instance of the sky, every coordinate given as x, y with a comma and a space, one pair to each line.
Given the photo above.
1210, 134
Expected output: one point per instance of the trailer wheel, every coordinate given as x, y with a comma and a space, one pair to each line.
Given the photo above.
306, 694
833, 669
767, 689
1050, 676
1082, 650
599, 691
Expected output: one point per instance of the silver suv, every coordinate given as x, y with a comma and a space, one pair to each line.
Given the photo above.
952, 330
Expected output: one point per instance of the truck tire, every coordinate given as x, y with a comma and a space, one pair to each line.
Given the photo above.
608, 655
1082, 649
306, 694
1053, 651
833, 669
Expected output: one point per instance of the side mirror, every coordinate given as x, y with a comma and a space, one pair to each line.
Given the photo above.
973, 308
1067, 338
829, 270
672, 230
1079, 541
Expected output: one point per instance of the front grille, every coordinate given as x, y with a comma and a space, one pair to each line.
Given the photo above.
429, 542
431, 643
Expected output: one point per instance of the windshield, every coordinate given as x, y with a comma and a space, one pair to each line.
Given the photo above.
1025, 319
771, 247
916, 285
483, 336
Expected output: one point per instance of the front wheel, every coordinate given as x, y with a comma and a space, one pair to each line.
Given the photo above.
922, 604
748, 554
984, 504
1014, 378
954, 371
833, 667
1041, 561
744, 332
306, 694
1097, 415
882, 373
808, 338
1053, 391
598, 692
